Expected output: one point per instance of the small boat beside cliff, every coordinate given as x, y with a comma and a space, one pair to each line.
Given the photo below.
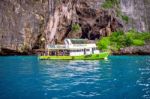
73, 49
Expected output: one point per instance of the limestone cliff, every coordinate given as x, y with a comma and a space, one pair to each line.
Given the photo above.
138, 12
29, 24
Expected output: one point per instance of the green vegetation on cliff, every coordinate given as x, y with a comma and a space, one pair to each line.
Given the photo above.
75, 27
120, 40
110, 3
125, 18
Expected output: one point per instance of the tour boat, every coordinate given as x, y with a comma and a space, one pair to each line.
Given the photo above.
73, 49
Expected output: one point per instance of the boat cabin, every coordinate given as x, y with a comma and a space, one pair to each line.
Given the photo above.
72, 47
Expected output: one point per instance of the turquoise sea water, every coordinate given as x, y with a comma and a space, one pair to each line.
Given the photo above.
119, 77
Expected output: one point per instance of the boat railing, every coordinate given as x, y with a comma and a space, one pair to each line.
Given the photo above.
70, 46
57, 46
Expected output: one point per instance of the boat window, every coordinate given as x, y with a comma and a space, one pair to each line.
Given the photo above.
72, 50
79, 41
87, 49
94, 48
76, 50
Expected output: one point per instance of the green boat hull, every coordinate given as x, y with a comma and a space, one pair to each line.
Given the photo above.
102, 55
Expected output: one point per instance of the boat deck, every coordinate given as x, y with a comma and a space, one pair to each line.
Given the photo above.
102, 55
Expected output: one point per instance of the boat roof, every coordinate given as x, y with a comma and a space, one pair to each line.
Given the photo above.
71, 47
78, 41
71, 44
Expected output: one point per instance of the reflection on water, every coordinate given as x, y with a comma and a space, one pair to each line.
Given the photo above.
119, 77
75, 73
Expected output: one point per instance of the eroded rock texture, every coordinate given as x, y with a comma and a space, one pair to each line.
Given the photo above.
30, 24
25, 22
21, 22
138, 12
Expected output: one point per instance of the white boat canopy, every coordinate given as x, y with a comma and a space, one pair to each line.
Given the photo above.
71, 44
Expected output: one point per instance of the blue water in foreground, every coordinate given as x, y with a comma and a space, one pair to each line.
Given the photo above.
119, 77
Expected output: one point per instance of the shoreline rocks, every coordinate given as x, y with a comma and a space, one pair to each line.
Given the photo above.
9, 52
134, 50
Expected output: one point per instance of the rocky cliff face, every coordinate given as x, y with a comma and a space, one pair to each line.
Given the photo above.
21, 22
138, 12
93, 21
28, 24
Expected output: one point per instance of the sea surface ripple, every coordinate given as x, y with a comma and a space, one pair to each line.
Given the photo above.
119, 77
